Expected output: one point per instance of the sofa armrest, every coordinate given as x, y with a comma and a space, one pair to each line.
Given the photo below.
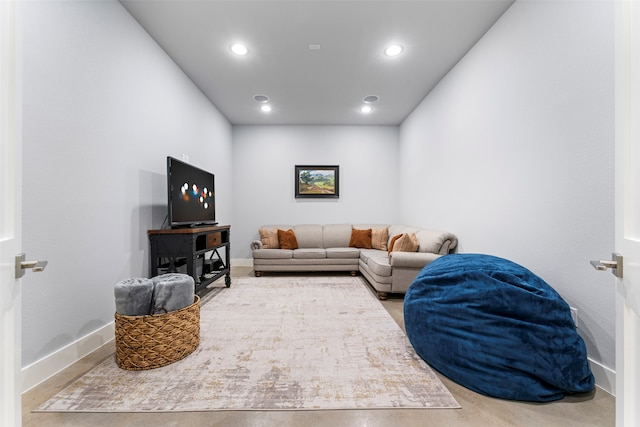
411, 259
256, 244
436, 241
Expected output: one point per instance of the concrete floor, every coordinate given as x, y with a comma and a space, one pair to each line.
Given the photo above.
593, 409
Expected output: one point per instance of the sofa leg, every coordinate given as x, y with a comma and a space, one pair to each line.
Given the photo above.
382, 296
353, 273
258, 273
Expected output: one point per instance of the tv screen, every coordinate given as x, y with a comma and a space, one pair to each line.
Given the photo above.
191, 195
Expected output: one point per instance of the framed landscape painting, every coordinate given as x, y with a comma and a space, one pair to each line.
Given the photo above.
317, 181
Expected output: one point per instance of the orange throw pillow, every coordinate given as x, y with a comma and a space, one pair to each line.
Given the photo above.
393, 241
287, 239
360, 239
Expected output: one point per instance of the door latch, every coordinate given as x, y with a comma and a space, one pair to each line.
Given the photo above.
615, 264
22, 265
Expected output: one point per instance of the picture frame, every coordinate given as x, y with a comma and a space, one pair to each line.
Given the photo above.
317, 181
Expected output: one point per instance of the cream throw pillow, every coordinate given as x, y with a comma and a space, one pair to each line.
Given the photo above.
379, 238
407, 242
269, 238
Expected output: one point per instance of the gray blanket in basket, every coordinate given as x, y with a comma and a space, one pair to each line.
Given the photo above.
133, 296
140, 296
172, 291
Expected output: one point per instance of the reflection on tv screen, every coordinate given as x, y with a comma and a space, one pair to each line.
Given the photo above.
195, 196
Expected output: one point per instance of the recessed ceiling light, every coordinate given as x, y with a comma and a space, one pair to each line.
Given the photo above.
265, 108
393, 50
239, 49
366, 109
371, 98
261, 98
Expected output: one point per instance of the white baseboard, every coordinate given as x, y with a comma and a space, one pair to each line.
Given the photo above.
50, 365
605, 377
242, 262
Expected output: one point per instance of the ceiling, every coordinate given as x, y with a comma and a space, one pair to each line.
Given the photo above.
316, 60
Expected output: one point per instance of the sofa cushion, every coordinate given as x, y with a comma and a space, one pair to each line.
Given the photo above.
287, 239
360, 239
378, 263
269, 238
272, 254
309, 235
414, 260
343, 253
336, 235
365, 254
310, 253
379, 238
407, 242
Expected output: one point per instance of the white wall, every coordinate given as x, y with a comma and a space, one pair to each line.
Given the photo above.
519, 136
103, 107
264, 159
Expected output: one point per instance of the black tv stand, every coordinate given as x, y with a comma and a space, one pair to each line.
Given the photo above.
193, 225
203, 224
184, 250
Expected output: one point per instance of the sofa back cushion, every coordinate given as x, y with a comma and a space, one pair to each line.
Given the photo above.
309, 235
275, 226
336, 235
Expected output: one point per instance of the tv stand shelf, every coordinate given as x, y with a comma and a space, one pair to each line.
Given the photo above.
184, 250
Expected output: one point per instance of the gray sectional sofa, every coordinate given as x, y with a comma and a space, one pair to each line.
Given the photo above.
326, 247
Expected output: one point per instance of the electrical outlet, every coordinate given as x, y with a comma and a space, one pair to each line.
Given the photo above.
574, 315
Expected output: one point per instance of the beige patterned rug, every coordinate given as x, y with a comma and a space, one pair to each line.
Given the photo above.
275, 343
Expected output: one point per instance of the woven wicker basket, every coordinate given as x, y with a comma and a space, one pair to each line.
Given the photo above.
148, 342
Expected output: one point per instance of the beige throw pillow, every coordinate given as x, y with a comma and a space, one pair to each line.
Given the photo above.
269, 238
379, 238
407, 242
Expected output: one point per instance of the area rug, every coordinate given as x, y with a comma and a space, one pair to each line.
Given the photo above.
275, 343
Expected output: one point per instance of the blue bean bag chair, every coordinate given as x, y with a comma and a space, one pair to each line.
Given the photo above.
494, 327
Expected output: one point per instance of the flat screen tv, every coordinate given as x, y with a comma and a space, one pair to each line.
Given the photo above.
191, 193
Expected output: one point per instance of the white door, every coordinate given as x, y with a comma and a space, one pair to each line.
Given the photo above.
627, 214
10, 211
